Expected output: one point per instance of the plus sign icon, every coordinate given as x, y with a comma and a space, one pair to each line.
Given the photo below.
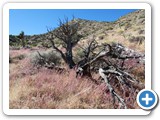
147, 99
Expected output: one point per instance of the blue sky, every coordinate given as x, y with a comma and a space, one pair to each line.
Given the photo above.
35, 21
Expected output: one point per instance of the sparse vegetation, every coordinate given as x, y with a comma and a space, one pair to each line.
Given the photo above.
16, 58
138, 39
81, 64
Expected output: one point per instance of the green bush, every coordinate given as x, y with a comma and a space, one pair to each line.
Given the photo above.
79, 54
48, 57
34, 44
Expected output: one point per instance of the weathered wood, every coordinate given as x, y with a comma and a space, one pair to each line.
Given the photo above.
114, 94
124, 78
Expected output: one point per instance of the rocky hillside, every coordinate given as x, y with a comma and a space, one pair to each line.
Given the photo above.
95, 76
128, 30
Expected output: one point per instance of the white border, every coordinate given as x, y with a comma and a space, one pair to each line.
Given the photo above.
8, 6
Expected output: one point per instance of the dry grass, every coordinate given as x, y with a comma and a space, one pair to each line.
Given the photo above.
32, 88
47, 89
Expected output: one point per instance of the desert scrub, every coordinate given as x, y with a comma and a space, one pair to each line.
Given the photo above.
137, 39
34, 44
45, 44
109, 28
16, 58
19, 57
120, 32
128, 25
49, 56
79, 54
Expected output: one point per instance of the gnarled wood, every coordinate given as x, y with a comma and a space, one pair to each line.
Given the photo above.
114, 94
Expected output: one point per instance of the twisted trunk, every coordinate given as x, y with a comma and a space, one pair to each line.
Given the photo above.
69, 55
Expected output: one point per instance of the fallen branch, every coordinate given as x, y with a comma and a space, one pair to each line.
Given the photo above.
114, 94
83, 68
125, 78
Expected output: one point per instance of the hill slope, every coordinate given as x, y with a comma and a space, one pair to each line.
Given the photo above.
40, 79
127, 30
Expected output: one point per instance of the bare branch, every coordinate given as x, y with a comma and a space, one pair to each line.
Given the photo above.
112, 72
125, 78
51, 39
58, 50
114, 94
100, 55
